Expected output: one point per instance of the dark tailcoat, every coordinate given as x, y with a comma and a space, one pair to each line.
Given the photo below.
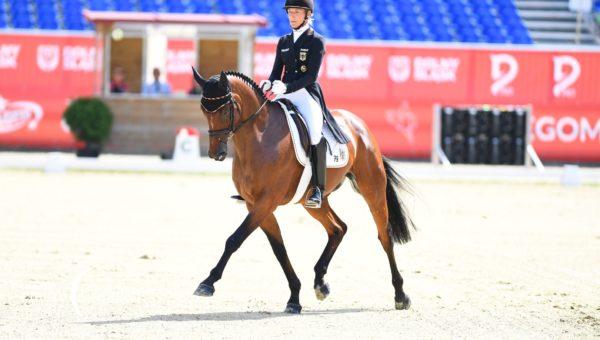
299, 64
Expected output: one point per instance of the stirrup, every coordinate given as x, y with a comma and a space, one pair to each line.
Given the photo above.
315, 200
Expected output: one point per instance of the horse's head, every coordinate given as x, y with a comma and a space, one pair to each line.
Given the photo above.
219, 108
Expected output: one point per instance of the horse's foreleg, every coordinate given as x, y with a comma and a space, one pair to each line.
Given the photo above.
336, 229
233, 243
271, 228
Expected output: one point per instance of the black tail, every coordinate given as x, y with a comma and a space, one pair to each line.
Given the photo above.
398, 219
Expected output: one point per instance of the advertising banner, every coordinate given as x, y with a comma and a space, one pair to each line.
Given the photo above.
38, 77
392, 87
180, 55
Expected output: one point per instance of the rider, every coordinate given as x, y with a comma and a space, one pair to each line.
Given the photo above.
298, 59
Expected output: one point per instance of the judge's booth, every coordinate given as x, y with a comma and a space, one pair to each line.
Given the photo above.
133, 45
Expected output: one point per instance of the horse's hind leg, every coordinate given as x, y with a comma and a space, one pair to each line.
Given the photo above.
271, 228
336, 229
371, 181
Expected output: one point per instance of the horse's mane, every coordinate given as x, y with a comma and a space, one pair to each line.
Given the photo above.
248, 82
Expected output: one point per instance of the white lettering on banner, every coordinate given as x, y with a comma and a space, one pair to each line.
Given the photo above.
343, 66
543, 133
424, 69
263, 64
48, 57
566, 129
15, 115
399, 68
436, 70
180, 61
9, 54
502, 79
79, 58
563, 80
588, 132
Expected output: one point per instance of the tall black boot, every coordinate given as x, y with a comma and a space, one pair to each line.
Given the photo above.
318, 154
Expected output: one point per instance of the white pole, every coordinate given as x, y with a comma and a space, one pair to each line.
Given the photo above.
534, 157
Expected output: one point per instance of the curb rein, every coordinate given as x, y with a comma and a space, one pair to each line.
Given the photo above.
231, 130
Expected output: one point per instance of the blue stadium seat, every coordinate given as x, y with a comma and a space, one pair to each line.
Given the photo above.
3, 22
148, 6
22, 22
124, 5
227, 7
48, 25
200, 6
175, 7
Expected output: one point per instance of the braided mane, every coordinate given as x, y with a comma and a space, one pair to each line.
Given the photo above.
249, 82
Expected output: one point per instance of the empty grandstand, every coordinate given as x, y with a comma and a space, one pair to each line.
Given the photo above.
488, 21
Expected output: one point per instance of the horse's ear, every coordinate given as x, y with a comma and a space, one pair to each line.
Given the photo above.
201, 81
223, 82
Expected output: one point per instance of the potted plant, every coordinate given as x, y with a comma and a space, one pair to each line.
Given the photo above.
90, 120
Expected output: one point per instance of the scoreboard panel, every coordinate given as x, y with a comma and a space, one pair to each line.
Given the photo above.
481, 135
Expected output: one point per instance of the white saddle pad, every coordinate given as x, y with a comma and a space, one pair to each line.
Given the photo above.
337, 153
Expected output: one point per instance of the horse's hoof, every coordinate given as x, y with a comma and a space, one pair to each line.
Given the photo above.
404, 304
293, 308
322, 291
204, 290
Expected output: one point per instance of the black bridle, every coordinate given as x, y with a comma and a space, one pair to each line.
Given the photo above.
232, 129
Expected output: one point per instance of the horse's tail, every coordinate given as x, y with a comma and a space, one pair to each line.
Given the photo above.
398, 220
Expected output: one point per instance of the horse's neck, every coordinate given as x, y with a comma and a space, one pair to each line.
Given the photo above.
256, 138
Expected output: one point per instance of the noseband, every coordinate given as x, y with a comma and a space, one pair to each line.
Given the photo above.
234, 106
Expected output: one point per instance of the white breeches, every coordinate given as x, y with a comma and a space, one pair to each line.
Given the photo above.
310, 111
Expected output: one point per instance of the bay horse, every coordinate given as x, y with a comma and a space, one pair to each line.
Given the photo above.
266, 175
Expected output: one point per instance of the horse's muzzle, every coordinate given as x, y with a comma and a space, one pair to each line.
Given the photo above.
220, 154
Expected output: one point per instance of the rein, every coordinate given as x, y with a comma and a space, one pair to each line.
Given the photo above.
232, 129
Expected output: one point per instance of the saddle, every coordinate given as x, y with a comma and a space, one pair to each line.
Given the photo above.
298, 121
337, 155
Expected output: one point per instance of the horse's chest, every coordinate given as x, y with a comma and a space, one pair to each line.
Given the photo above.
246, 183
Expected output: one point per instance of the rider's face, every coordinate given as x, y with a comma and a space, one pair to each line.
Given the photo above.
296, 16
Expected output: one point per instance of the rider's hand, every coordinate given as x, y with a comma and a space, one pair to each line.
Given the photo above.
265, 85
278, 87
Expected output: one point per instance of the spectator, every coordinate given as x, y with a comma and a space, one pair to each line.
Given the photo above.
157, 87
117, 83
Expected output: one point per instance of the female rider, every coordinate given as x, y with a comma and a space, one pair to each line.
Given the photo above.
294, 77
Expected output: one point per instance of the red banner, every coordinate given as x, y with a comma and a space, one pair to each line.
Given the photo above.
395, 88
569, 134
38, 77
180, 55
